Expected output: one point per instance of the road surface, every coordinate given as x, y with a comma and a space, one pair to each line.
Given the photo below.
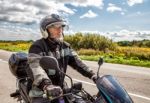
136, 80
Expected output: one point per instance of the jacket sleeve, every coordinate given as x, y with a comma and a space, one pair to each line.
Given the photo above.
40, 77
76, 63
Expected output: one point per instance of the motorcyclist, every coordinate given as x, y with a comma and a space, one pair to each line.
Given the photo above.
52, 44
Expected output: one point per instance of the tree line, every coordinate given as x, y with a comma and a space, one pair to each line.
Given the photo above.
136, 43
92, 41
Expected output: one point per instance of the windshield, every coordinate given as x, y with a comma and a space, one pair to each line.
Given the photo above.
112, 90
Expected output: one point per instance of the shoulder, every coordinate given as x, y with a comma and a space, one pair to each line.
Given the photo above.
38, 42
36, 47
66, 44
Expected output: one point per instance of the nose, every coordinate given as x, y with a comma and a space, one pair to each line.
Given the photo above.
60, 29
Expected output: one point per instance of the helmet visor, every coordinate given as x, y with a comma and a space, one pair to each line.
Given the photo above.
58, 25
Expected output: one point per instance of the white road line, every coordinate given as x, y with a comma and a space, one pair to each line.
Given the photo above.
83, 82
3, 61
139, 96
135, 95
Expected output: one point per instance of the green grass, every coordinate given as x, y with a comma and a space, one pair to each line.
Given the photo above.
118, 60
13, 49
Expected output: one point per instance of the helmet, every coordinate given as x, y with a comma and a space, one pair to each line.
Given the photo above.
49, 21
17, 64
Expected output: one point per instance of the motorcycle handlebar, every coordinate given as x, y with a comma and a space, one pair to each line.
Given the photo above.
77, 87
66, 91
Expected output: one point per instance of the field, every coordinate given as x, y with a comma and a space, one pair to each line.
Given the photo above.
15, 46
122, 55
137, 56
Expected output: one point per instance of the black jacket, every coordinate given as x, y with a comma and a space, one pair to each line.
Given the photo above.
64, 55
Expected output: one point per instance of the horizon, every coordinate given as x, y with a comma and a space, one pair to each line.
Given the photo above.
13, 40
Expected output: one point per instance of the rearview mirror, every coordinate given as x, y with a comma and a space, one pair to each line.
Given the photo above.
50, 64
100, 61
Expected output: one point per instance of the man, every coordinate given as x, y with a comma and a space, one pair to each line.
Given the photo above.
52, 44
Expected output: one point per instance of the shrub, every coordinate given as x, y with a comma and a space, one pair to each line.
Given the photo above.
88, 52
90, 41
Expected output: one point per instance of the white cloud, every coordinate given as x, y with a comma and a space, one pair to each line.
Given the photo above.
118, 27
138, 14
121, 35
133, 2
69, 32
112, 8
128, 35
18, 32
84, 3
89, 14
122, 13
16, 13
29, 11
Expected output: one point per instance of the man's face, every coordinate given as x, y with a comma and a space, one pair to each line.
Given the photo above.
55, 31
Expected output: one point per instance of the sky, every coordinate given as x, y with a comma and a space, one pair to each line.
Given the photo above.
115, 19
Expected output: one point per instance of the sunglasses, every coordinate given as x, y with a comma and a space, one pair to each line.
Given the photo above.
64, 27
58, 26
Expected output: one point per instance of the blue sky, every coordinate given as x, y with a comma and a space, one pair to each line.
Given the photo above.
115, 19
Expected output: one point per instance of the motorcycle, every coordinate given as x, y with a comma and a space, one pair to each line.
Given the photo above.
109, 89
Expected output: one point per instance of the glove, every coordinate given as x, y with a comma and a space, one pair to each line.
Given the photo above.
52, 91
94, 78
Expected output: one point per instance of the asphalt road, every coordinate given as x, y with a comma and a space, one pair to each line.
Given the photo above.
136, 80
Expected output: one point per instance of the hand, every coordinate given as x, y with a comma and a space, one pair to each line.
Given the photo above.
94, 78
52, 91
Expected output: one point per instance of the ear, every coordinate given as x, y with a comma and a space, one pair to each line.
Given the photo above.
44, 33
48, 33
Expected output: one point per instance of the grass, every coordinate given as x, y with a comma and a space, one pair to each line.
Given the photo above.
15, 47
119, 60
135, 56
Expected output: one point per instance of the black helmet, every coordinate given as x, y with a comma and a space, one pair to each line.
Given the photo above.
17, 64
49, 21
